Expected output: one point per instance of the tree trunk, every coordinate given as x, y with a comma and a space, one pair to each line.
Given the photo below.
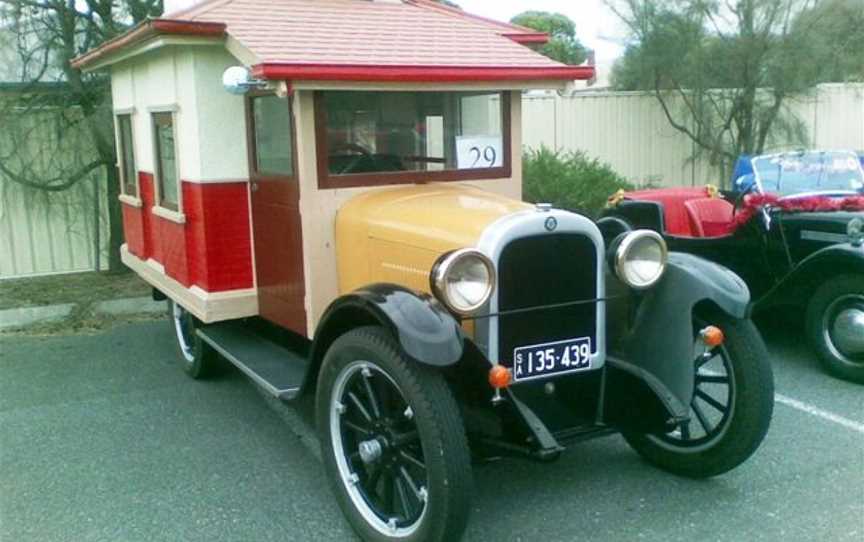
115, 220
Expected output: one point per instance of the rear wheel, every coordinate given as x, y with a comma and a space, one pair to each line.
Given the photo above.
835, 326
198, 358
730, 410
393, 441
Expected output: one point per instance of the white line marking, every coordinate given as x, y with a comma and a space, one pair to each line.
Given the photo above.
818, 412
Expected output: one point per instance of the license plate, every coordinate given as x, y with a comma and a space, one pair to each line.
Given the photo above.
542, 360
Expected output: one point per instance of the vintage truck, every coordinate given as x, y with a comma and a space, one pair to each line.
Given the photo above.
344, 219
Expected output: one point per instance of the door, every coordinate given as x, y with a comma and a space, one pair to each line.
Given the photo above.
276, 212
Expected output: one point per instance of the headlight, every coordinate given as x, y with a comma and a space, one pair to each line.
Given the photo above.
463, 280
640, 259
855, 230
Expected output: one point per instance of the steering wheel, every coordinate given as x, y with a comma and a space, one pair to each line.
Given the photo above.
739, 198
362, 154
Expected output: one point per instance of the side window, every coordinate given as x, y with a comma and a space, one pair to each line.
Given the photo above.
166, 160
273, 133
126, 155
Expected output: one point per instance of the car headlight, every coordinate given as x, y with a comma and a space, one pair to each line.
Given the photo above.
640, 259
463, 280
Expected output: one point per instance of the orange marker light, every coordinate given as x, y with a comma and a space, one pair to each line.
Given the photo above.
500, 377
712, 336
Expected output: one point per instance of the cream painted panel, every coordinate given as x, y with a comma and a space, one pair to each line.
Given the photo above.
142, 130
318, 208
221, 119
186, 124
122, 92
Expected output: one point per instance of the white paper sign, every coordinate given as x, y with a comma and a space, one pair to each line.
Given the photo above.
479, 152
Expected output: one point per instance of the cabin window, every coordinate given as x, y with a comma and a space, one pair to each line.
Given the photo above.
126, 155
166, 161
367, 138
273, 133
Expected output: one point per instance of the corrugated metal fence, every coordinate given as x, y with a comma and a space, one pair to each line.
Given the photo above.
44, 232
629, 130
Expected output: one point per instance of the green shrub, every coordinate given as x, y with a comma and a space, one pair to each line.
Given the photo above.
569, 180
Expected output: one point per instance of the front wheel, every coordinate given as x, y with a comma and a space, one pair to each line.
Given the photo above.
835, 326
731, 407
393, 442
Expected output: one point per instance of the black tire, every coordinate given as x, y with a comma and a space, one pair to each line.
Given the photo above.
716, 441
198, 358
369, 364
837, 296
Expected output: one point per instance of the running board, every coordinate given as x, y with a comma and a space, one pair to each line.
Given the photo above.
277, 369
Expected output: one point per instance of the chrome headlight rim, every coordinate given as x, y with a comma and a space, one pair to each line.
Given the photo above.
446, 264
626, 245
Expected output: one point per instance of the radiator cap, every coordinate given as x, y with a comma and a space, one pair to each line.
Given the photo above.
543, 207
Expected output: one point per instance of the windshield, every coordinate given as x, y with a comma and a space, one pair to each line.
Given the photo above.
835, 172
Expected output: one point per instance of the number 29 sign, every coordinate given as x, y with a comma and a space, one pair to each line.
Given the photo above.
479, 152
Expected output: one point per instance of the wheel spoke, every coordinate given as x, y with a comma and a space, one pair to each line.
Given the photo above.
357, 428
359, 405
705, 358
403, 472
711, 401
700, 415
373, 400
402, 496
711, 379
685, 430
413, 460
374, 476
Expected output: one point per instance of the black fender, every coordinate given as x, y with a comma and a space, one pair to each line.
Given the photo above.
660, 339
801, 283
426, 331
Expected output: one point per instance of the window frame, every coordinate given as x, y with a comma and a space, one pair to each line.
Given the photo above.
159, 206
251, 138
351, 180
135, 198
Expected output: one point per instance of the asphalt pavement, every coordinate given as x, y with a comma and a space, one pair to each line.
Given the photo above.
102, 438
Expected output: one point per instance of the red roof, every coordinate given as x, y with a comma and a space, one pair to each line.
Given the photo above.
363, 40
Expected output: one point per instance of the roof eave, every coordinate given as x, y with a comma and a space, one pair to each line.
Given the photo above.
147, 30
419, 74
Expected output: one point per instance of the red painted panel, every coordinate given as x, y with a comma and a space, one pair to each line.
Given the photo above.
218, 240
148, 197
133, 227
212, 250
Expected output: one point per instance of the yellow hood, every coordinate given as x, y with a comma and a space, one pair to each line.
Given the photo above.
396, 235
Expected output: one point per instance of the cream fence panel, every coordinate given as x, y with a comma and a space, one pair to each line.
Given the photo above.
629, 130
49, 232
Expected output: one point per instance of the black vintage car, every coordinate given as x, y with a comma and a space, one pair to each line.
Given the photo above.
791, 228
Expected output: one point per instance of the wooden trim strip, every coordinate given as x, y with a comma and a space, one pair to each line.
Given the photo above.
208, 307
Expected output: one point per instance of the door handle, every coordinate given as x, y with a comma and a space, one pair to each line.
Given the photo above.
254, 187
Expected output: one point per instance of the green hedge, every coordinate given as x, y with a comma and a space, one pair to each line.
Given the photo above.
569, 180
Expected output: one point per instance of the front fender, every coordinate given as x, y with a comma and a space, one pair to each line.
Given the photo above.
799, 284
427, 332
660, 339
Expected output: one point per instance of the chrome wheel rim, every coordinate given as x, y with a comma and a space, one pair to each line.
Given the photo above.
376, 445
712, 405
184, 327
843, 329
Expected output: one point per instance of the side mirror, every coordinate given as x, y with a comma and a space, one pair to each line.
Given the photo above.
238, 81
